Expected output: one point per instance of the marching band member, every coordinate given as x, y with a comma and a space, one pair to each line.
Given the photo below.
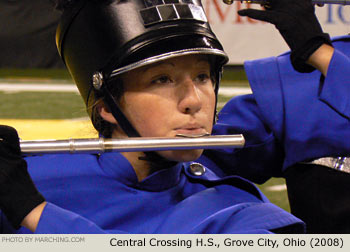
307, 111
149, 68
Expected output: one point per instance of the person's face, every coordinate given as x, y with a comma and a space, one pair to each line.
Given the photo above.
169, 98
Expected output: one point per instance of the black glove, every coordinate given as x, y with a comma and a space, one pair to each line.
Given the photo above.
18, 194
298, 25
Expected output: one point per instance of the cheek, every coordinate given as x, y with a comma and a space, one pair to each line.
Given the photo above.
211, 101
148, 113
209, 104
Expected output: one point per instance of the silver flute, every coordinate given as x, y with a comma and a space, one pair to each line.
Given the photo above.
343, 2
100, 145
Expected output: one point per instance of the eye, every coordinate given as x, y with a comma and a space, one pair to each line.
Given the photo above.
163, 79
203, 77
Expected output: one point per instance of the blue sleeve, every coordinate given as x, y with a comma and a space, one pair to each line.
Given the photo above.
305, 115
335, 90
56, 220
261, 157
310, 117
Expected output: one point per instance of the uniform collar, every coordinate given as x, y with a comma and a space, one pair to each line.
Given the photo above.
119, 168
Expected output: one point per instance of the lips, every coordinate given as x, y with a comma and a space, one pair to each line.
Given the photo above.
191, 129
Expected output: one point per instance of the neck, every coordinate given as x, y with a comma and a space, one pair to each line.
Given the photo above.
142, 168
144, 163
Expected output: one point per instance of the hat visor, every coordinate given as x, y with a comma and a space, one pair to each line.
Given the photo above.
172, 48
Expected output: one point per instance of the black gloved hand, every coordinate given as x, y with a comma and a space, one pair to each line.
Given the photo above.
18, 194
298, 25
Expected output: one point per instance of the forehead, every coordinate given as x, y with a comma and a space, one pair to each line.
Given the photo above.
186, 60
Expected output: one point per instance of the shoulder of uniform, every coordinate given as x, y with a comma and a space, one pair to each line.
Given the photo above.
203, 175
196, 170
58, 158
62, 164
345, 38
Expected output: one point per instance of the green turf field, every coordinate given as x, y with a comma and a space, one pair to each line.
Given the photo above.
52, 105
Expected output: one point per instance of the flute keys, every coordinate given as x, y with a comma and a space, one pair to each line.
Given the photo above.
197, 169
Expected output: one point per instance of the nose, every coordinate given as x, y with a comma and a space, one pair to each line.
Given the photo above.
190, 100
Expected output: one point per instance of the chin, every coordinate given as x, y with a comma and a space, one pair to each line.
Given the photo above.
181, 155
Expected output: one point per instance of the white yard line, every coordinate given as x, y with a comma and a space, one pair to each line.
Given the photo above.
234, 91
277, 188
53, 87
11, 87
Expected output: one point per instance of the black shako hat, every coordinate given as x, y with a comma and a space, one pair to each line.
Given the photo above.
100, 39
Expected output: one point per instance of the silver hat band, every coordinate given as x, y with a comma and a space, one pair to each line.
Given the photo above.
165, 56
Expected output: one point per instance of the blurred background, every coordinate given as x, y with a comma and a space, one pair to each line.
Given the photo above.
39, 98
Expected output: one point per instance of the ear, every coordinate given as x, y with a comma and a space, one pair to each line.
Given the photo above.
106, 114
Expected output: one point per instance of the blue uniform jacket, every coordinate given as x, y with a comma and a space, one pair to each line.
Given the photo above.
92, 194
291, 117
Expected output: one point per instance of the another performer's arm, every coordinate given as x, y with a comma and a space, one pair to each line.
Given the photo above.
21, 202
31, 221
297, 23
18, 194
321, 58
275, 96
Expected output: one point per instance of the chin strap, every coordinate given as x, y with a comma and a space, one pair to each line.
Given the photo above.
156, 161
113, 106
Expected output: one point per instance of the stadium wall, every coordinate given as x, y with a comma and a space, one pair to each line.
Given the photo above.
27, 32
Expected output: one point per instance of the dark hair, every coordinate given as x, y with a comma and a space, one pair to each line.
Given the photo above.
61, 5
116, 87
